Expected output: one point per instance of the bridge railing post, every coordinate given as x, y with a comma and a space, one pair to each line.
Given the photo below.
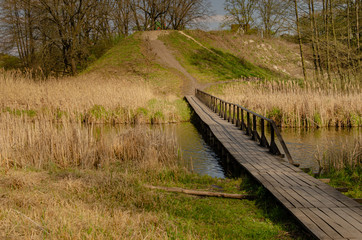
237, 116
273, 148
225, 110
233, 122
242, 127
220, 108
255, 131
263, 140
248, 127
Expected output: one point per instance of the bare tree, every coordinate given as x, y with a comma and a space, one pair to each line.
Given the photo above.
183, 13
274, 15
240, 12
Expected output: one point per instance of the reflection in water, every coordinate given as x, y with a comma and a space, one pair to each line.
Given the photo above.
196, 154
195, 150
305, 144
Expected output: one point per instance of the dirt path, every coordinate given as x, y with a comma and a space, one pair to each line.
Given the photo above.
166, 58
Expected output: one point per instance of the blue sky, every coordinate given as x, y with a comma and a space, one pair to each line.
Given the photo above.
218, 9
218, 6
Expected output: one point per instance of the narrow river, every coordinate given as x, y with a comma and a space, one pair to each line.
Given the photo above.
304, 146
198, 156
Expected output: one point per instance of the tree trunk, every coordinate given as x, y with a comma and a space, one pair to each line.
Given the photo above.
326, 25
336, 55
300, 40
357, 33
318, 52
315, 61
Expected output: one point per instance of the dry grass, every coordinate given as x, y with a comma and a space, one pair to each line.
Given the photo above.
35, 206
343, 165
89, 98
345, 157
293, 106
50, 186
43, 143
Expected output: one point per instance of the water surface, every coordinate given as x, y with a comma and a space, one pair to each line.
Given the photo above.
304, 145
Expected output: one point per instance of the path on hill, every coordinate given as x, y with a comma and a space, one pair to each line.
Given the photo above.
165, 57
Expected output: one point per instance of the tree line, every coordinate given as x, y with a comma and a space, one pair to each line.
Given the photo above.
59, 36
331, 28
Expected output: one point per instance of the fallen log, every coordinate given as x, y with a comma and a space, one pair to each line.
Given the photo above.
342, 189
202, 193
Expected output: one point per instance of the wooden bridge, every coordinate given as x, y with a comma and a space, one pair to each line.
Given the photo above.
322, 210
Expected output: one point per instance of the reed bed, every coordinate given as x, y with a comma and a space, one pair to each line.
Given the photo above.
343, 166
90, 98
345, 157
292, 105
41, 144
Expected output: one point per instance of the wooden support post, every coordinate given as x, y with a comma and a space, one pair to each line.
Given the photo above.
248, 122
263, 140
273, 148
242, 127
237, 117
225, 111
233, 114
220, 109
255, 135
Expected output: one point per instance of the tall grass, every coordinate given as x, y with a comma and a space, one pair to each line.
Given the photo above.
345, 157
90, 98
293, 105
343, 165
43, 144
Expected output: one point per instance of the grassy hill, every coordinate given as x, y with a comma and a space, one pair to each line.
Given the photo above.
222, 55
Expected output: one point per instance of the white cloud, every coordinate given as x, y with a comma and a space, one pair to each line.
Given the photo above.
216, 18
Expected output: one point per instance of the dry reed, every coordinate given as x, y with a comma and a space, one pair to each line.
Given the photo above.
341, 157
91, 98
291, 105
41, 143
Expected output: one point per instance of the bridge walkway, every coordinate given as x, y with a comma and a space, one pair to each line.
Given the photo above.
322, 210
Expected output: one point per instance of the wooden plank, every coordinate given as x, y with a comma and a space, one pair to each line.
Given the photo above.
321, 196
277, 189
312, 226
273, 191
312, 199
353, 213
339, 219
337, 226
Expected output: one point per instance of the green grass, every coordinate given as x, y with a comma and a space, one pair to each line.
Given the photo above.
212, 64
20, 112
126, 56
132, 57
65, 192
346, 178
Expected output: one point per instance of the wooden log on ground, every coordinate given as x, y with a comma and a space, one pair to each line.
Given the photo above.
202, 193
325, 180
342, 189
